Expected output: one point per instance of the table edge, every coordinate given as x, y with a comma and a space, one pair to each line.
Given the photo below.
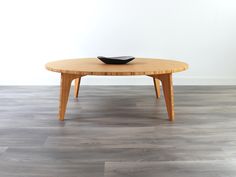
82, 73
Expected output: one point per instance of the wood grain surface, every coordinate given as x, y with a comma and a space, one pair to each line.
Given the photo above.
118, 131
139, 66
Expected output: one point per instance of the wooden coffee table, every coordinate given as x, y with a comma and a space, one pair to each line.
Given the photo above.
75, 69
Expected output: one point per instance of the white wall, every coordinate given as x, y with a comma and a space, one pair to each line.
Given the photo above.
199, 32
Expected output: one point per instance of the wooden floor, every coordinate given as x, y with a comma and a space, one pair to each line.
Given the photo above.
117, 131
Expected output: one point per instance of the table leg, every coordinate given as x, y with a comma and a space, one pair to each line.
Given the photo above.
66, 80
77, 85
157, 87
167, 85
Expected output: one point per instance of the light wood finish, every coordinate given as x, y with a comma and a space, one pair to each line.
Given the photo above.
159, 69
66, 80
76, 88
157, 87
166, 80
139, 66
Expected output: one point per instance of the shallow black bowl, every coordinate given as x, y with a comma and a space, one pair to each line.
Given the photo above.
116, 60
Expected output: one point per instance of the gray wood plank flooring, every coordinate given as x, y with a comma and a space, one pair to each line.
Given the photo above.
118, 131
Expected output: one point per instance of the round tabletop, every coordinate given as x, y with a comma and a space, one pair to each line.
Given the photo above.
139, 66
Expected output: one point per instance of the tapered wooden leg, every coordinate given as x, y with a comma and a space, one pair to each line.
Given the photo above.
157, 87
77, 85
167, 85
66, 80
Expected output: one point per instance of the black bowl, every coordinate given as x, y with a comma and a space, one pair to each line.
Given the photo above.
116, 60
